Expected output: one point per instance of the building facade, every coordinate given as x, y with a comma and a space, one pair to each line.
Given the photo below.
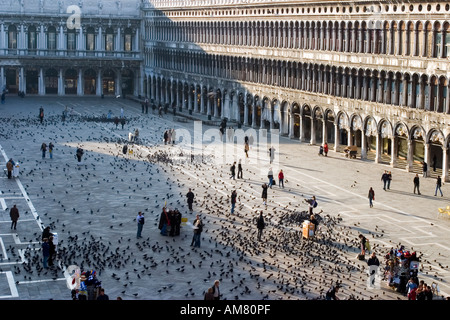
48, 47
374, 74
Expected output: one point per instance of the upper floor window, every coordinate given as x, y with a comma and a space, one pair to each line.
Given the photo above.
128, 40
32, 41
90, 39
109, 40
71, 40
12, 37
51, 40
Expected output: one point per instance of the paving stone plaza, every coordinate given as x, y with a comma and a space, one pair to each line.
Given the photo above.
92, 207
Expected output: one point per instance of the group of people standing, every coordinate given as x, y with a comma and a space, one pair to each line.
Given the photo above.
44, 149
170, 222
169, 136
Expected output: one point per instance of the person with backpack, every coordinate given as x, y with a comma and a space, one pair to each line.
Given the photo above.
50, 149
312, 204
43, 149
140, 224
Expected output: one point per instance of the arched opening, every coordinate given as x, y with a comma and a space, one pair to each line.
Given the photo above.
109, 82
306, 117
32, 81
418, 144
318, 125
51, 81
127, 82
90, 78
329, 122
70, 81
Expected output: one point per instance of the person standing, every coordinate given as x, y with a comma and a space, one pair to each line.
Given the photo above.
122, 122
233, 200
270, 176
14, 214
41, 114
216, 290
102, 295
385, 179
331, 293
190, 199
425, 169
371, 196
43, 149
281, 179
312, 203
264, 193
140, 224
80, 153
198, 228
325, 149
45, 252
362, 244
146, 106
239, 175
10, 167
271, 154
233, 170
438, 186
416, 184
51, 251
164, 222
116, 121
50, 150
260, 224
209, 295
434, 163
177, 224
174, 136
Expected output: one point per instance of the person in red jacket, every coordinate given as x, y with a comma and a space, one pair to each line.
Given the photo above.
281, 178
325, 149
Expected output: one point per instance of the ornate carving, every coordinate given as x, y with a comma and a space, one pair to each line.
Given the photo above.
342, 122
386, 131
357, 123
371, 128
437, 137
418, 133
401, 130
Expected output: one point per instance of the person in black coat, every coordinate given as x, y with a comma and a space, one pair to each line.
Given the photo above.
260, 224
164, 222
177, 222
264, 193
190, 199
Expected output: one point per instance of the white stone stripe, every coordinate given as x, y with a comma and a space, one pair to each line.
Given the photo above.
12, 286
2, 246
3, 203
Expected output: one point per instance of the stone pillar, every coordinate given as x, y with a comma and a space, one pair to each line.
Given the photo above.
313, 132
61, 86
349, 136
363, 145
378, 148
208, 103
447, 101
245, 109
202, 101
254, 108
324, 131
409, 160
301, 133
99, 88
336, 137
22, 80
41, 84
427, 155
2, 76
445, 164
80, 84
421, 94
393, 151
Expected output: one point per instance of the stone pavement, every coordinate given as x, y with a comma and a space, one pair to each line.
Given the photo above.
99, 200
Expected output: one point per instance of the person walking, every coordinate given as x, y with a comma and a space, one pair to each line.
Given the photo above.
233, 171
116, 121
14, 214
389, 176
325, 149
140, 224
438, 186
384, 178
122, 122
246, 148
216, 290
260, 224
281, 179
198, 228
271, 154
425, 169
41, 114
10, 167
50, 149
270, 176
45, 252
416, 184
233, 200
43, 149
371, 196
209, 295
239, 175
190, 199
264, 193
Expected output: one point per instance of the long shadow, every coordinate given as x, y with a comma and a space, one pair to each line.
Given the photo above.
439, 198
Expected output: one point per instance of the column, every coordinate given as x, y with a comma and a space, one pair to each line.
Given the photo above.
245, 109
427, 154
378, 148
80, 85
209, 107
447, 101
336, 137
236, 113
99, 86
363, 145
22, 79
409, 159
291, 124
2, 38
202, 101
2, 76
349, 136
254, 108
444, 164
41, 84
393, 151
227, 105
302, 134
61, 87
313, 132
421, 93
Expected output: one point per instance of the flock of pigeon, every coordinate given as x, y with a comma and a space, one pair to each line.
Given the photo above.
93, 205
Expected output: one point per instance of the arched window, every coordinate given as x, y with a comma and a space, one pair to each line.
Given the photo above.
12, 37
128, 40
90, 39
51, 38
71, 40
32, 41
109, 39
